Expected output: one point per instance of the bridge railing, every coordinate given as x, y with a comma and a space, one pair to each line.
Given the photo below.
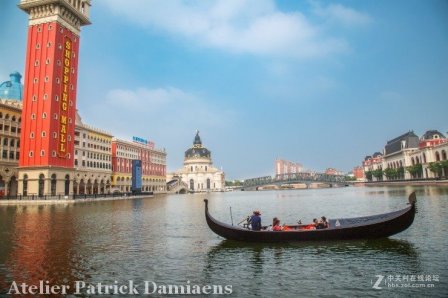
294, 177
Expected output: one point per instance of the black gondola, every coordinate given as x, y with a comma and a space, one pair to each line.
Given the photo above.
375, 226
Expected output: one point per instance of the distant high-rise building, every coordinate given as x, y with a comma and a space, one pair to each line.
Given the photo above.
286, 167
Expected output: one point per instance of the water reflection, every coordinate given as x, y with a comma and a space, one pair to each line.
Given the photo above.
166, 239
280, 267
41, 246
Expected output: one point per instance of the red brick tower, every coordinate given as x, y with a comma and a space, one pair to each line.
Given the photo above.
49, 103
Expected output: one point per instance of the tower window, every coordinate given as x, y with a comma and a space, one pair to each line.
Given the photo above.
32, 135
55, 116
39, 29
56, 96
47, 79
34, 97
30, 154
37, 46
36, 63
35, 80
33, 116
48, 44
44, 115
58, 80
47, 61
53, 153
42, 152
45, 96
43, 134
50, 27
55, 135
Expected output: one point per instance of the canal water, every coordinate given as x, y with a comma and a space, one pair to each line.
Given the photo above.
165, 241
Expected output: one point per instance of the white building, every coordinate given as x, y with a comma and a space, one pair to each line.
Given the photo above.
198, 171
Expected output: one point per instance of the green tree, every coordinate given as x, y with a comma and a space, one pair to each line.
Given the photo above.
400, 173
415, 170
378, 174
368, 175
391, 173
436, 168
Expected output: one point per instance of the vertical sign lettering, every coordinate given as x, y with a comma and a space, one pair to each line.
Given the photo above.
63, 108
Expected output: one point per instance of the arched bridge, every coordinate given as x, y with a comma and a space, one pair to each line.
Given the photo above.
307, 178
176, 185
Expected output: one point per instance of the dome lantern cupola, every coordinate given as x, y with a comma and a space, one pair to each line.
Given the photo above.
197, 151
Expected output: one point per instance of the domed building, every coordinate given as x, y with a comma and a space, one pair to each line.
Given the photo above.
12, 89
198, 173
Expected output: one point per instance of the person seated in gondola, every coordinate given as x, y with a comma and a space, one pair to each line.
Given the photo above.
276, 224
255, 221
325, 222
322, 224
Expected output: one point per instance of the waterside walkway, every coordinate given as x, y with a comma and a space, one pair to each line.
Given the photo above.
35, 200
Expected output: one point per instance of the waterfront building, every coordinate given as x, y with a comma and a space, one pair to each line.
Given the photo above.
397, 154
410, 157
10, 125
373, 163
93, 160
433, 148
332, 171
358, 173
285, 167
198, 171
46, 164
153, 163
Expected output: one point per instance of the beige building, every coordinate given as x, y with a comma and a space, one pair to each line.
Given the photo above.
93, 160
198, 172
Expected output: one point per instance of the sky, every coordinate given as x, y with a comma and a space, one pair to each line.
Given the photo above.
322, 83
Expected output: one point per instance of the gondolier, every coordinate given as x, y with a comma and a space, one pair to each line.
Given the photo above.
255, 221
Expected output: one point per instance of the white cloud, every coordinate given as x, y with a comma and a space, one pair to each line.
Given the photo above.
240, 26
341, 14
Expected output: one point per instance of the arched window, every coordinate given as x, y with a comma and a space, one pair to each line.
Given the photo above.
41, 185
437, 156
424, 158
443, 155
191, 184
208, 183
53, 184
25, 185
